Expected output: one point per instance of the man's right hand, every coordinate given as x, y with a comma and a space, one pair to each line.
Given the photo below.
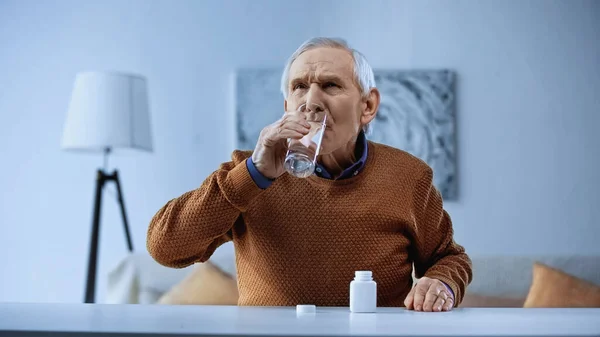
271, 147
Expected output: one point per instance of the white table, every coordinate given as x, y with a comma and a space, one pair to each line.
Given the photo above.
22, 319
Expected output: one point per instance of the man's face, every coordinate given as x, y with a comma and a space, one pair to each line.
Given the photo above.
324, 77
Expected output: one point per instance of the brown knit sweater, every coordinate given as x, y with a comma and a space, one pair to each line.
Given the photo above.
301, 240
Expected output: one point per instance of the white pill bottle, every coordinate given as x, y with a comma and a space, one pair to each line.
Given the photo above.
363, 292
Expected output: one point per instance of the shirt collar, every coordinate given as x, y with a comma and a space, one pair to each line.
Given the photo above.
361, 150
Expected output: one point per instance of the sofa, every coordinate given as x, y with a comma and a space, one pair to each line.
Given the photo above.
498, 281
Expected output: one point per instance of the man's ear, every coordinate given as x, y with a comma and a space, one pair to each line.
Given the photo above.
371, 103
285, 105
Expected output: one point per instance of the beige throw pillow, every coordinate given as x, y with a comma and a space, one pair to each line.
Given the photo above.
553, 288
206, 285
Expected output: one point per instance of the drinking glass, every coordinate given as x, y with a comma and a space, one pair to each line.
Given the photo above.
301, 157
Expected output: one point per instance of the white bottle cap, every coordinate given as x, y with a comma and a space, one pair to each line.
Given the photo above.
363, 275
306, 308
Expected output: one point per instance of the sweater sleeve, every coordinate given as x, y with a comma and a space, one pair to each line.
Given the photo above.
189, 228
436, 254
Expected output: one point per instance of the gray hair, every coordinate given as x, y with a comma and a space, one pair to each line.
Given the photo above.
363, 73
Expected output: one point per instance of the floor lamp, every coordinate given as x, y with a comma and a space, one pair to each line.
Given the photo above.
107, 111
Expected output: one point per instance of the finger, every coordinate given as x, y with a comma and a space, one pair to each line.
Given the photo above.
449, 304
444, 295
431, 296
295, 116
439, 303
408, 301
276, 138
292, 134
284, 134
420, 293
293, 119
296, 126
284, 131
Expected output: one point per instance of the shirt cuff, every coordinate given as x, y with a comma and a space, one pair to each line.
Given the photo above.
259, 179
450, 290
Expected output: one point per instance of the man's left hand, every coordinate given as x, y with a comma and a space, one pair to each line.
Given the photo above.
429, 295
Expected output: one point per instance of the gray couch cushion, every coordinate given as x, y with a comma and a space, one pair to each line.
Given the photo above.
510, 276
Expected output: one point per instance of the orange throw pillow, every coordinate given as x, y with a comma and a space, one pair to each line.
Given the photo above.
205, 285
553, 288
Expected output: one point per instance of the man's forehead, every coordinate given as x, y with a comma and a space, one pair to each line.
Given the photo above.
324, 61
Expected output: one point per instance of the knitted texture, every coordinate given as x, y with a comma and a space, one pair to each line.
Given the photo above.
301, 240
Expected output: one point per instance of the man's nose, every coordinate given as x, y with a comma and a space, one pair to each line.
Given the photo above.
314, 107
313, 100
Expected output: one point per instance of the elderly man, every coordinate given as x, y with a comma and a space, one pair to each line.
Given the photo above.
367, 207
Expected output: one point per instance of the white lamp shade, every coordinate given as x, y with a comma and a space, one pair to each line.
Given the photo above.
108, 110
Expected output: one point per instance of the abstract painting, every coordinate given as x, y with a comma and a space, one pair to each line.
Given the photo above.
416, 114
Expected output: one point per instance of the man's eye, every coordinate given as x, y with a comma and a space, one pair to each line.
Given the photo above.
299, 86
330, 84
